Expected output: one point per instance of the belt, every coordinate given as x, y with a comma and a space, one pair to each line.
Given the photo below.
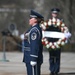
27, 48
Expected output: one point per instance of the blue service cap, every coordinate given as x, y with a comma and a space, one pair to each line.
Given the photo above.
35, 14
55, 10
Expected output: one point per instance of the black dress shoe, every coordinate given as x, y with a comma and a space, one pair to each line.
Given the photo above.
56, 74
52, 73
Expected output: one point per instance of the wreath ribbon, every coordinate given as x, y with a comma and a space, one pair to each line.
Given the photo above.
53, 34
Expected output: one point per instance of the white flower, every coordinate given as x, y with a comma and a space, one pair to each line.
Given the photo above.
45, 39
62, 24
62, 43
66, 30
41, 25
53, 46
57, 46
50, 43
58, 23
49, 23
54, 19
42, 40
45, 23
58, 42
44, 27
58, 20
55, 43
47, 46
46, 42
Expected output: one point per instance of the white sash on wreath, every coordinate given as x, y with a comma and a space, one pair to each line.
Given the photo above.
53, 34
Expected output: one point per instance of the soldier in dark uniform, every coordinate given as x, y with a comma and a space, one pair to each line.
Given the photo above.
54, 55
32, 45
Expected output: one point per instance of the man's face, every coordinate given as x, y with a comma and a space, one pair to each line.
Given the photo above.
54, 15
32, 21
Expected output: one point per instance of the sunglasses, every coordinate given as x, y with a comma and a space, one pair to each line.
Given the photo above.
33, 17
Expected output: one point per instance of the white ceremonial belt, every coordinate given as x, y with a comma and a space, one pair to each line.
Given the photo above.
53, 34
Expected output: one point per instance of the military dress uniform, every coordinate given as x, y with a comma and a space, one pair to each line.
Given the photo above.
33, 49
54, 55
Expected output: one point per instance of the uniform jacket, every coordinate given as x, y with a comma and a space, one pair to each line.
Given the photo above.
33, 46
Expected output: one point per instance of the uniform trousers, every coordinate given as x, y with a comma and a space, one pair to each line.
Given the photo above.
54, 60
35, 70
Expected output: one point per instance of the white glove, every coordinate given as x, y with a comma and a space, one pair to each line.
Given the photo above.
68, 35
33, 63
22, 36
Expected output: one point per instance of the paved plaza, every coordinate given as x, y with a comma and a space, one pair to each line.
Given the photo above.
14, 65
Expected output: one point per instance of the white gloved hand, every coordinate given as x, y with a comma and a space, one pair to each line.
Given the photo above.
33, 63
22, 36
68, 35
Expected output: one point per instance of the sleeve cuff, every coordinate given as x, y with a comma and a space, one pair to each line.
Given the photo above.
34, 56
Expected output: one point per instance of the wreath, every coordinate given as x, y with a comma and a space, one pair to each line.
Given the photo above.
56, 23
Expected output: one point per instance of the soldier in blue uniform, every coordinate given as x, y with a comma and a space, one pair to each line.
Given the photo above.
54, 55
33, 46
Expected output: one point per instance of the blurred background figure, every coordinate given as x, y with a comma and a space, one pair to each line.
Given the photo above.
13, 29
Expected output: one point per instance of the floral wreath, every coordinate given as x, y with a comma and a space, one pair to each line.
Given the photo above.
56, 23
